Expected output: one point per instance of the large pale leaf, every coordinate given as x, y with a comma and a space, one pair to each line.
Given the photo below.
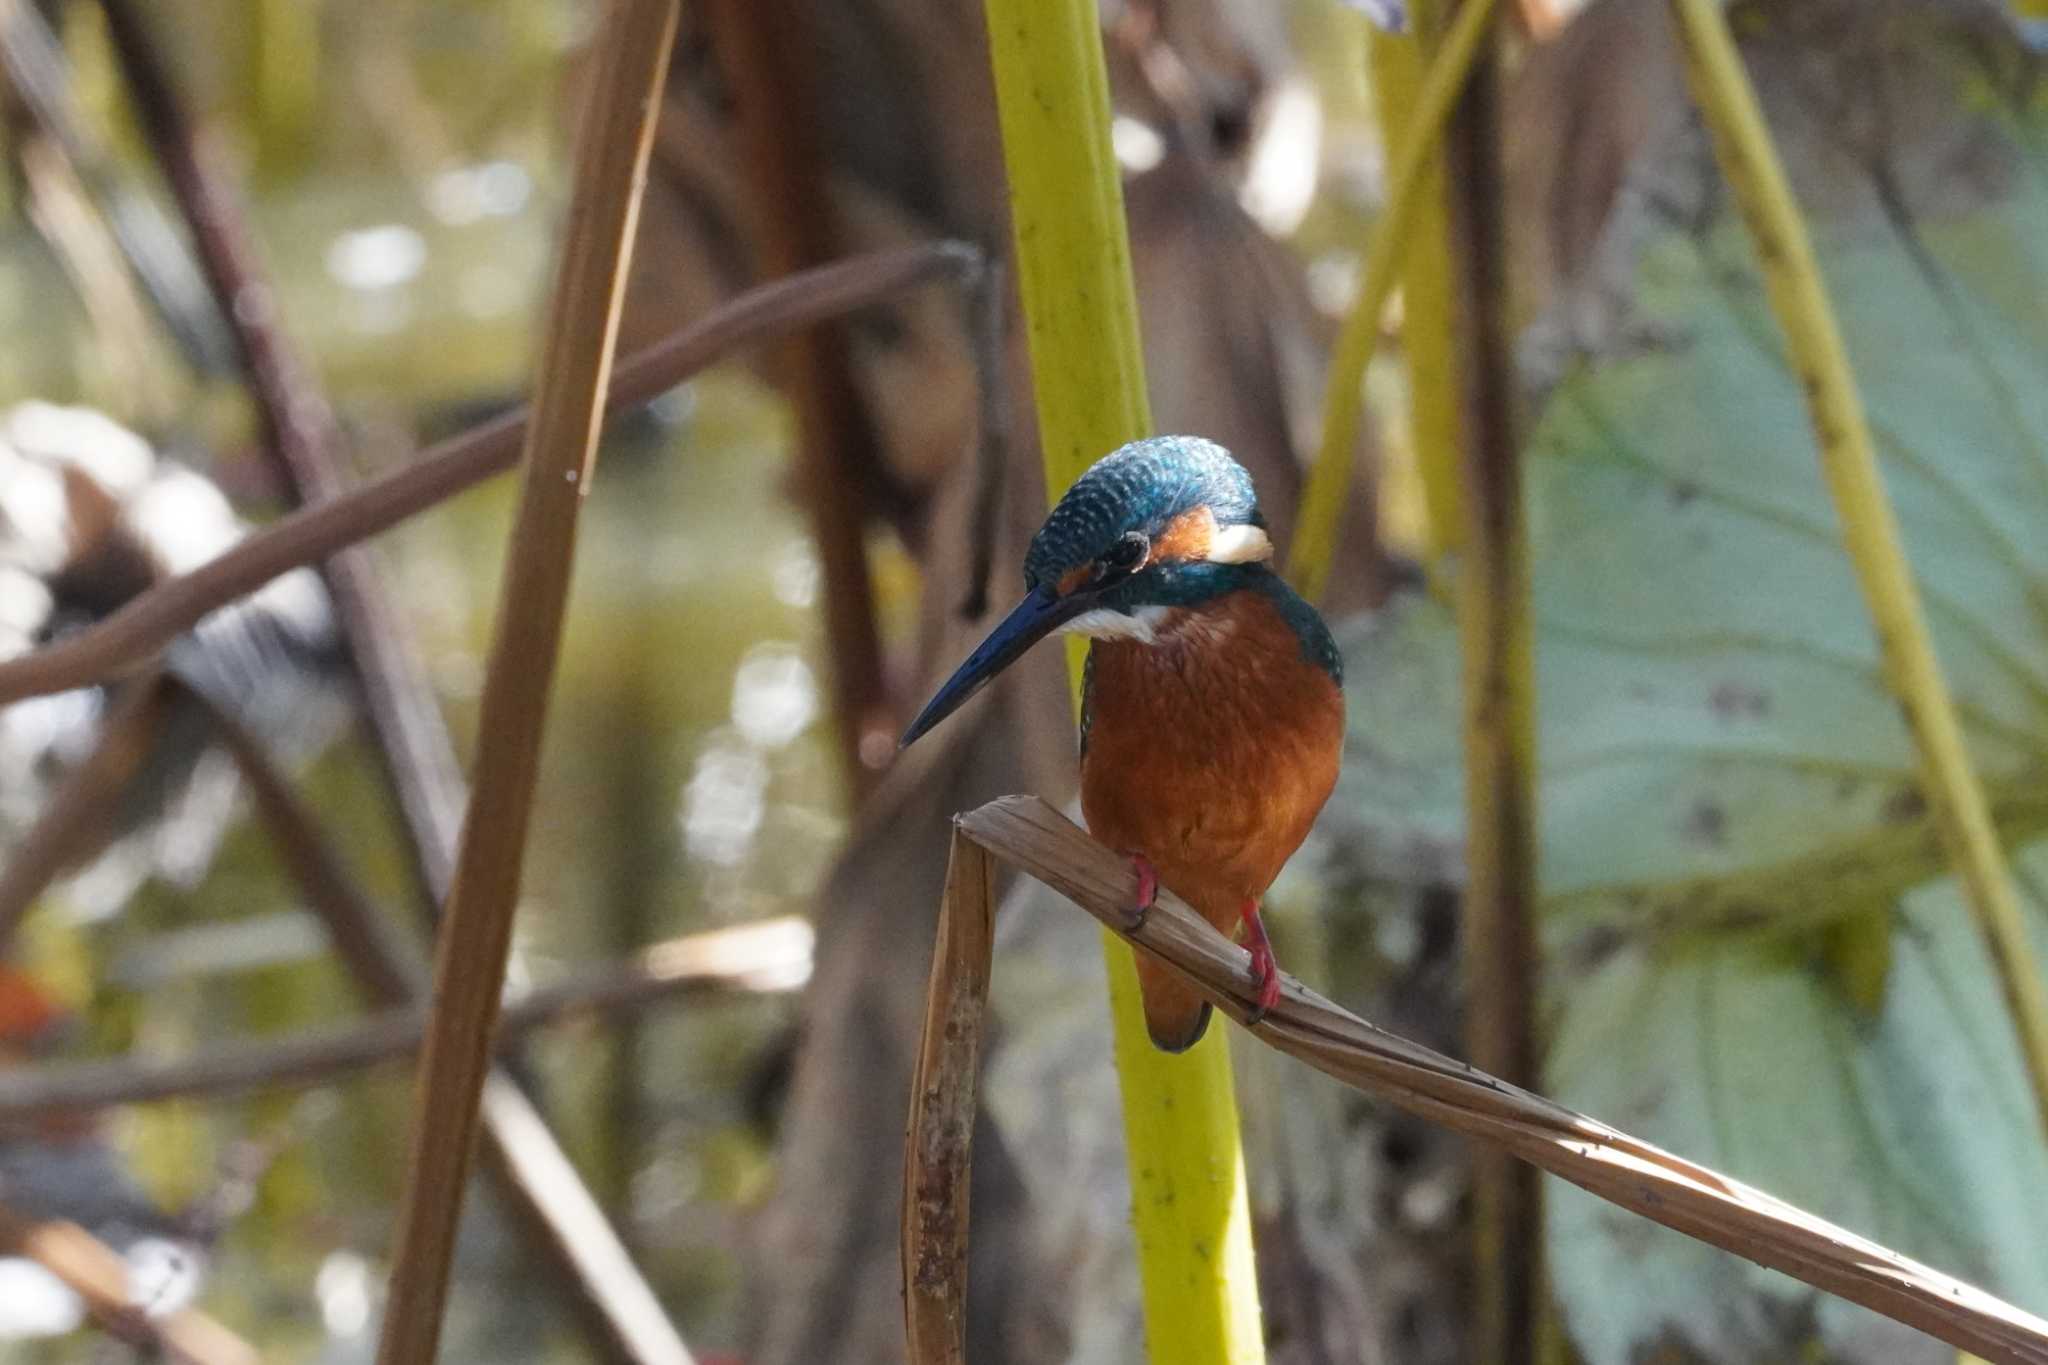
1719, 752
1914, 1127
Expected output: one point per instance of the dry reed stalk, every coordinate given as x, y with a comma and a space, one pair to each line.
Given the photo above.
613, 142
1497, 934
764, 50
938, 1150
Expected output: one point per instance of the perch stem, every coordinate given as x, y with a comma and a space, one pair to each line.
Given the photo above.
1025, 833
1190, 1207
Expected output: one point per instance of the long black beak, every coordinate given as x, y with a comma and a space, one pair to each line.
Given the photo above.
1040, 613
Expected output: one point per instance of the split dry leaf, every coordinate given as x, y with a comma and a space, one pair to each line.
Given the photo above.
1030, 835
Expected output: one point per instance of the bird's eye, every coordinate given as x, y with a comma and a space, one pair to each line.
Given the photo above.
1126, 554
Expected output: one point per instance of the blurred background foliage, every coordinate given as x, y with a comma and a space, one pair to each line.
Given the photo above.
404, 161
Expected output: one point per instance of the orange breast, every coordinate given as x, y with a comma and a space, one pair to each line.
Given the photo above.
1211, 751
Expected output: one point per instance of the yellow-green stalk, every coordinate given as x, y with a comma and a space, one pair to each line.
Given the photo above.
1411, 239
1189, 1205
1870, 532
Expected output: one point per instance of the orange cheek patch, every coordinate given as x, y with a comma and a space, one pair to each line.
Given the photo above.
1073, 579
1187, 537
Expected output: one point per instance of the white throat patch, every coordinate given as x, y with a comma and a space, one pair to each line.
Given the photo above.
1245, 544
1103, 624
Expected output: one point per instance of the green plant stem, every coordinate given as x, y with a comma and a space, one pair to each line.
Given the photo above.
1870, 532
1189, 1202
1417, 181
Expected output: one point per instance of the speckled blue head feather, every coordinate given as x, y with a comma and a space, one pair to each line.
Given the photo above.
1139, 487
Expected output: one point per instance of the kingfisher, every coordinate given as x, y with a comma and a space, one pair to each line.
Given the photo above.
1212, 706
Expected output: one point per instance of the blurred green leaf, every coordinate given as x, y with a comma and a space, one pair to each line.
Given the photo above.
1729, 803
1913, 1128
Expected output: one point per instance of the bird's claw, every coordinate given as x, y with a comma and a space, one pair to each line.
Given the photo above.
1265, 967
1148, 889
1266, 973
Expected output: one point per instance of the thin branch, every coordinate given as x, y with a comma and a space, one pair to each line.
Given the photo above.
99, 1276
80, 812
379, 958
768, 957
304, 440
1031, 836
1497, 937
765, 50
1870, 529
1329, 482
611, 164
939, 1144
130, 637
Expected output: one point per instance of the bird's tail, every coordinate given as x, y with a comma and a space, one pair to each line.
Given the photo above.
1175, 1015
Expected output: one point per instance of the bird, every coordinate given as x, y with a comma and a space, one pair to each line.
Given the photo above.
1212, 714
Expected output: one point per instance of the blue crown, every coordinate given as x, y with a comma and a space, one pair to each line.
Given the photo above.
1139, 487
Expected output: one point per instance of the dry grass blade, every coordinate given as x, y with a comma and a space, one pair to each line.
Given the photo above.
763, 51
1497, 935
770, 956
612, 149
99, 1276
131, 636
939, 1147
1031, 836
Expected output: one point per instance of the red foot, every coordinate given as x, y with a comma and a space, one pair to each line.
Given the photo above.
1148, 885
1265, 970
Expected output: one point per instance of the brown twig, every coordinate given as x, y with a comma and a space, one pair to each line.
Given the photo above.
80, 812
764, 48
1031, 836
97, 1274
1497, 937
611, 163
382, 962
938, 1149
130, 637
770, 956
542, 1188
304, 440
